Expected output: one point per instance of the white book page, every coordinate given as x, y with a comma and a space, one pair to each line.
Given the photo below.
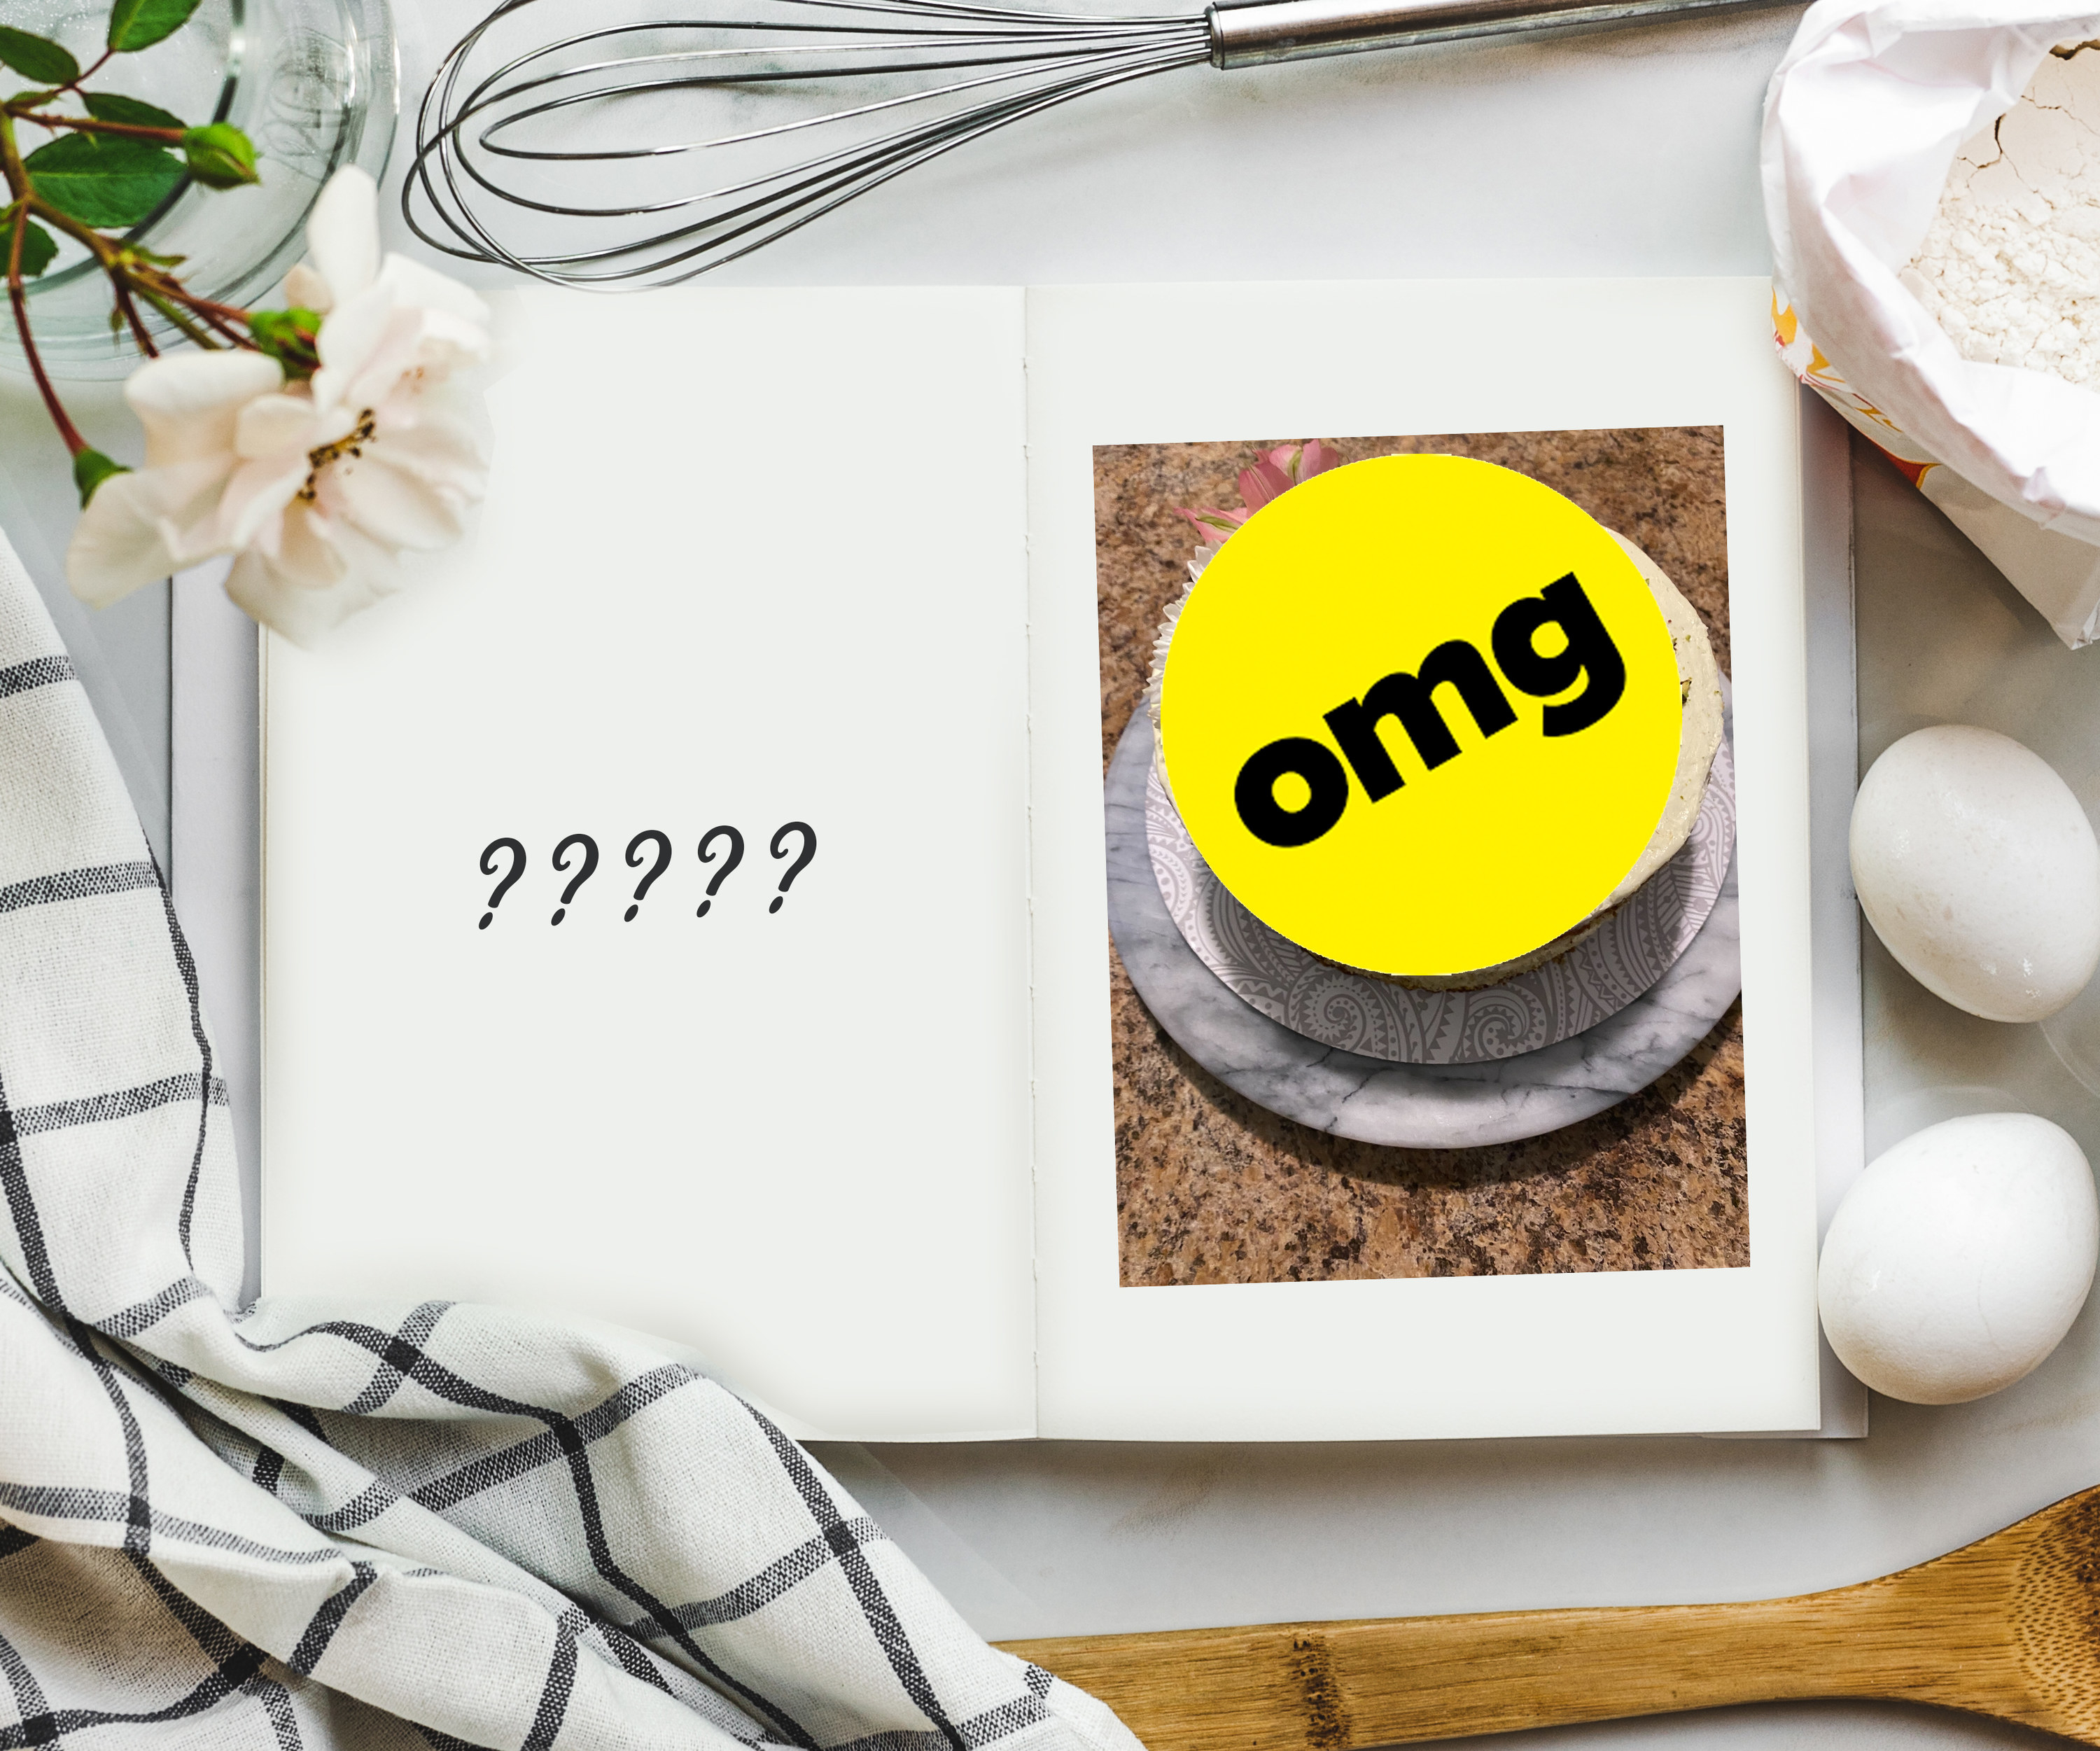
1624, 1353
748, 558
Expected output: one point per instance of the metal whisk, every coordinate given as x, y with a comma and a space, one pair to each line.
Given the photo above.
644, 153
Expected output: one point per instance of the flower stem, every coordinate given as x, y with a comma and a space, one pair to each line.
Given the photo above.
68, 433
18, 186
130, 312
214, 322
157, 286
10, 159
98, 246
82, 124
84, 74
213, 314
191, 331
206, 307
163, 291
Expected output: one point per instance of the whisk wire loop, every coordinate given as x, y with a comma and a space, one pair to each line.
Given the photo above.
833, 180
767, 68
487, 183
903, 141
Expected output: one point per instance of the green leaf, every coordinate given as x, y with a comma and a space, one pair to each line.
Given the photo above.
140, 23
38, 247
113, 106
37, 57
90, 468
219, 156
103, 181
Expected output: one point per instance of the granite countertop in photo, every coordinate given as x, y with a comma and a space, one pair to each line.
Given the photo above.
1211, 1188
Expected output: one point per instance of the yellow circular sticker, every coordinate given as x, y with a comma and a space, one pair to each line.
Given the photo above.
1421, 715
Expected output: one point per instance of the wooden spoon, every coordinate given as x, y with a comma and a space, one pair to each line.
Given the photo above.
2008, 1626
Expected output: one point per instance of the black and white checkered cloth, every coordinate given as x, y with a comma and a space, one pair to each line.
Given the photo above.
324, 1524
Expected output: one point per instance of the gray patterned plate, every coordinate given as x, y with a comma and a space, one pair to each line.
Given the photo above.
1374, 1099
1636, 946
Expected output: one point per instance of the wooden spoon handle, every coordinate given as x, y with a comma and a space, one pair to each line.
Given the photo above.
1330, 1687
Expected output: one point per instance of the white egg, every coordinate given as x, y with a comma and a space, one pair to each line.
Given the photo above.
1960, 1259
1976, 867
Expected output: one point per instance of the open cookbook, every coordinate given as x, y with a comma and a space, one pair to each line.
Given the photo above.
691, 908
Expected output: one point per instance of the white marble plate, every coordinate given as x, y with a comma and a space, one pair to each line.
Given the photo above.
1596, 978
1375, 1099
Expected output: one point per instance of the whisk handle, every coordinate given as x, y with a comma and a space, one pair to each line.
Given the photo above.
1250, 33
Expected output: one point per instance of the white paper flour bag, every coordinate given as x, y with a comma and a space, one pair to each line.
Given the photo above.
1863, 122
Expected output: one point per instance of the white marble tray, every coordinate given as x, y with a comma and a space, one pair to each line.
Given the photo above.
1374, 1099
1634, 947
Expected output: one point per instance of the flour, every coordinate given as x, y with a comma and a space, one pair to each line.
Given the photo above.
2010, 266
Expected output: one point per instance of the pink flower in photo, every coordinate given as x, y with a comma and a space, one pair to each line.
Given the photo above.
1273, 475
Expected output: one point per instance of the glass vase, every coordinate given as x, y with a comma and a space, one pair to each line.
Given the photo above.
312, 82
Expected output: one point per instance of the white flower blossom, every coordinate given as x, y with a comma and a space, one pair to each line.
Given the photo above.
315, 488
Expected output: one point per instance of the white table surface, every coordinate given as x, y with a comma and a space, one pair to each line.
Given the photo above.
1626, 154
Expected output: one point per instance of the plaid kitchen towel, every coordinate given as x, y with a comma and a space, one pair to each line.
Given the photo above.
359, 1525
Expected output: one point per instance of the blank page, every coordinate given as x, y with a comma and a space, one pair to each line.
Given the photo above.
748, 558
